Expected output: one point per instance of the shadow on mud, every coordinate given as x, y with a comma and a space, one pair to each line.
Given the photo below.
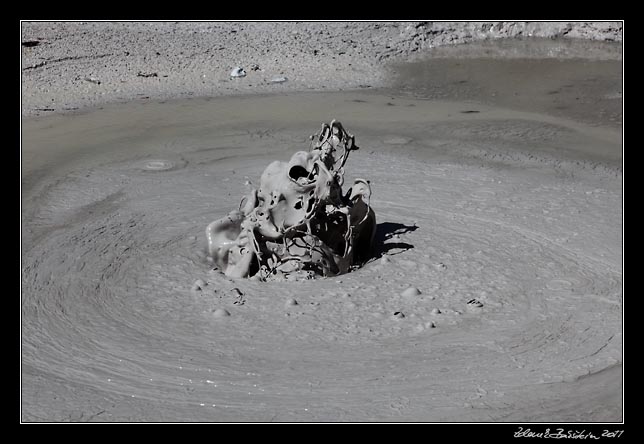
386, 231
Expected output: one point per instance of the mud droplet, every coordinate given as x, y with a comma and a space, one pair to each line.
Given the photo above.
221, 313
410, 292
198, 285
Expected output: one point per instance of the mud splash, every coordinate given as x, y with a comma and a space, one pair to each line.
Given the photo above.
298, 224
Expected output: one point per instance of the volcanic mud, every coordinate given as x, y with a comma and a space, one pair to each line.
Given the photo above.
494, 294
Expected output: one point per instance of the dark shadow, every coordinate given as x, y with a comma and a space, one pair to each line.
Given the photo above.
384, 232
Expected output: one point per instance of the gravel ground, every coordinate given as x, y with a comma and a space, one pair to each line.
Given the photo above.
67, 66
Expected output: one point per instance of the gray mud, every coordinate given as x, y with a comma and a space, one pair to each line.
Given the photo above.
506, 217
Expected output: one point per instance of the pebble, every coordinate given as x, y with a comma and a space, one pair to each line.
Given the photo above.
291, 302
221, 313
198, 285
410, 292
237, 72
436, 311
278, 80
399, 314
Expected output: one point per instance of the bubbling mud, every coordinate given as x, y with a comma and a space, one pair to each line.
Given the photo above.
509, 238
298, 224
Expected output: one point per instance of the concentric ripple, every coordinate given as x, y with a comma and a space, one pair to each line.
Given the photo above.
114, 327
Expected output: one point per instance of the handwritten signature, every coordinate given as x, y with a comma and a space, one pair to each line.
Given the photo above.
566, 434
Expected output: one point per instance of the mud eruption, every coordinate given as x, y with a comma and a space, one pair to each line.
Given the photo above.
299, 224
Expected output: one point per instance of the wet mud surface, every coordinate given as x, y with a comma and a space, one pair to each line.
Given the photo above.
506, 224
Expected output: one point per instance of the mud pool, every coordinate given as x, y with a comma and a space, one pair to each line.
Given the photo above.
508, 222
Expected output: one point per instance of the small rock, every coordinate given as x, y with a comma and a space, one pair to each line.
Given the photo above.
147, 74
237, 72
475, 303
410, 292
291, 302
278, 80
236, 291
221, 313
431, 325
436, 311
93, 80
198, 285
441, 266
254, 67
399, 314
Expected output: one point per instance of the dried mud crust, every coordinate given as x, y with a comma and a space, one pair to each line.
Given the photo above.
68, 66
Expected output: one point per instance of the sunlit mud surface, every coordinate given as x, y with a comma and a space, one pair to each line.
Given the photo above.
505, 224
